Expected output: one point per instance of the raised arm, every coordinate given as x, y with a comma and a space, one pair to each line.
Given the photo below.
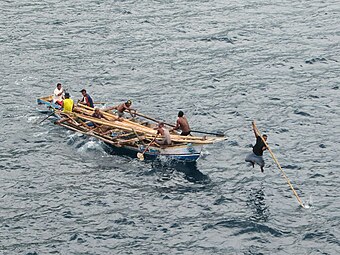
254, 129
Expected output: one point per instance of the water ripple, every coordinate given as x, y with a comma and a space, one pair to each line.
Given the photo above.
224, 66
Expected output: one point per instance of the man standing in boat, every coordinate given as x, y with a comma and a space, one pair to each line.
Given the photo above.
121, 108
58, 94
258, 148
182, 124
164, 132
86, 100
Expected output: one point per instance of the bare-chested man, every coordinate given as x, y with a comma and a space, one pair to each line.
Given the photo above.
182, 124
161, 130
121, 108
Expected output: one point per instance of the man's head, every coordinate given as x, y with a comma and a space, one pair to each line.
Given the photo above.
128, 102
96, 110
83, 92
265, 137
161, 124
67, 95
180, 114
59, 85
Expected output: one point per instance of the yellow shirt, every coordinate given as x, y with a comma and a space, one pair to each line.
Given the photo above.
68, 105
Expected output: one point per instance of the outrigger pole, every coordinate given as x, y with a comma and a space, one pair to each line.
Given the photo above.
53, 112
278, 164
47, 117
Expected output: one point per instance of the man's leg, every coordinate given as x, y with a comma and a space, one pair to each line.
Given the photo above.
250, 159
261, 163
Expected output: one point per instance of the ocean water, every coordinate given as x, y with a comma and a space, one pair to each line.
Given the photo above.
224, 64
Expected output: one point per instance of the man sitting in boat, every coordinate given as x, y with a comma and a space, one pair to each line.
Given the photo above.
164, 132
98, 114
182, 124
86, 100
67, 104
121, 108
58, 94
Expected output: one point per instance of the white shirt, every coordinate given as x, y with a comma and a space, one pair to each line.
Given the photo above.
56, 93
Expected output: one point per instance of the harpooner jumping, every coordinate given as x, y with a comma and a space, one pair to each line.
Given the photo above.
258, 148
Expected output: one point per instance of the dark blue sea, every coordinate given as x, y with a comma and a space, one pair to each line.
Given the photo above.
224, 63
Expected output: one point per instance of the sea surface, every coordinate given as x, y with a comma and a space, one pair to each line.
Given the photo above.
224, 63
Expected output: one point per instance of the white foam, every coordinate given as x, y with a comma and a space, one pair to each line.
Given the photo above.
308, 203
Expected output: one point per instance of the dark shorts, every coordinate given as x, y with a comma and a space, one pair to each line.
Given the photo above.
185, 133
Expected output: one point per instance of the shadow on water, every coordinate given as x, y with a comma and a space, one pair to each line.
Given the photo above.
189, 170
256, 201
167, 168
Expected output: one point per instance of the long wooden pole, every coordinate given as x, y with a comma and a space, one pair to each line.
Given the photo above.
46, 117
150, 118
193, 131
141, 155
127, 125
149, 131
279, 166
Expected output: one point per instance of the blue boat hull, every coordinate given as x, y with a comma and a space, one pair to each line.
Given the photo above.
169, 153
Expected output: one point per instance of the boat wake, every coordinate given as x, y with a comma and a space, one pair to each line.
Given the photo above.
85, 144
91, 146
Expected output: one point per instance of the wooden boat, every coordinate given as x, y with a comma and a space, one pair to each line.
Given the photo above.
128, 136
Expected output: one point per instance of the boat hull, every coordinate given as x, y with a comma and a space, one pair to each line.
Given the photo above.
189, 152
47, 102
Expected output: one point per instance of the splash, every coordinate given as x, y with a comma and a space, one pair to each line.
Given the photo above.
91, 145
33, 119
308, 203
